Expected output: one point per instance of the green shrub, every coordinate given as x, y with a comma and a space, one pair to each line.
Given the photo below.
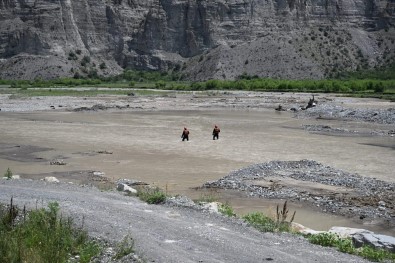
346, 245
8, 174
376, 255
261, 222
72, 56
324, 239
207, 197
379, 87
103, 65
227, 210
151, 195
267, 224
44, 236
124, 248
86, 60
160, 84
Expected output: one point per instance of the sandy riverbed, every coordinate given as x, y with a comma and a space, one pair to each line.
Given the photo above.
142, 133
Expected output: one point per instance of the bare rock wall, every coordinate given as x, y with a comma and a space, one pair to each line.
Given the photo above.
240, 35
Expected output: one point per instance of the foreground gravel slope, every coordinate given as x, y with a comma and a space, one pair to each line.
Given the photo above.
164, 233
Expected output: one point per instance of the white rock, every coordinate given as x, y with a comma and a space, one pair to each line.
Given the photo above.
212, 207
126, 188
345, 232
304, 230
98, 173
51, 179
16, 176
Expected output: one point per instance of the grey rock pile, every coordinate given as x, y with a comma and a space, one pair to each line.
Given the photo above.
364, 198
328, 111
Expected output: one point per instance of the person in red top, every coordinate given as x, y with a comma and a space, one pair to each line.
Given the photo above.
185, 134
216, 132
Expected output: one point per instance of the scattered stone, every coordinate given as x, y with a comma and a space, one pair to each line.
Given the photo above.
181, 201
331, 190
325, 128
212, 207
98, 173
104, 152
16, 177
280, 108
131, 182
126, 188
57, 162
51, 179
329, 111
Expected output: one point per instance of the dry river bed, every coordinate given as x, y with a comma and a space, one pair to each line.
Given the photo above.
138, 137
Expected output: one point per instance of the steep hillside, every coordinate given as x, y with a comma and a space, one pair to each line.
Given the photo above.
202, 38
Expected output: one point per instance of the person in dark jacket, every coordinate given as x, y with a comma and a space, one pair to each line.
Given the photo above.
185, 134
216, 132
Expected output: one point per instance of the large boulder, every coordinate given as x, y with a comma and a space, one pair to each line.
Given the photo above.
347, 232
375, 240
126, 188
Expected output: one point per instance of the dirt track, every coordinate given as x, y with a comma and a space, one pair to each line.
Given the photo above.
167, 234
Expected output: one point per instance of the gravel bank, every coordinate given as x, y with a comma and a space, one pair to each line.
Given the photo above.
332, 190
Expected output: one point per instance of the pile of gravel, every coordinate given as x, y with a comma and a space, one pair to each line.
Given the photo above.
367, 197
381, 116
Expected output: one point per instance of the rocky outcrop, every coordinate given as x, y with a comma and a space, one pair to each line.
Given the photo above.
204, 39
363, 237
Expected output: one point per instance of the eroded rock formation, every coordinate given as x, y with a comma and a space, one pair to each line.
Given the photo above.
202, 38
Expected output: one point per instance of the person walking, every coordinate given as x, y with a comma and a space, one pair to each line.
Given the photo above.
216, 132
185, 134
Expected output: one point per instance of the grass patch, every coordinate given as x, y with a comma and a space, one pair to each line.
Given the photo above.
75, 92
227, 210
8, 174
206, 198
151, 195
42, 236
261, 222
124, 248
346, 245
267, 224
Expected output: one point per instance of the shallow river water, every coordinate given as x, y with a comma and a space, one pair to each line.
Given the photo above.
146, 146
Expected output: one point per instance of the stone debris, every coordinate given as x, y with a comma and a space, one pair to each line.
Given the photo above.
98, 173
330, 111
51, 179
104, 152
331, 190
126, 188
57, 162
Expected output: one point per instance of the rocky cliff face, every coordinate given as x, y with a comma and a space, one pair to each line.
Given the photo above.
202, 38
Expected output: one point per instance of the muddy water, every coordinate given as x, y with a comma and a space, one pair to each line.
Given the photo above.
147, 145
